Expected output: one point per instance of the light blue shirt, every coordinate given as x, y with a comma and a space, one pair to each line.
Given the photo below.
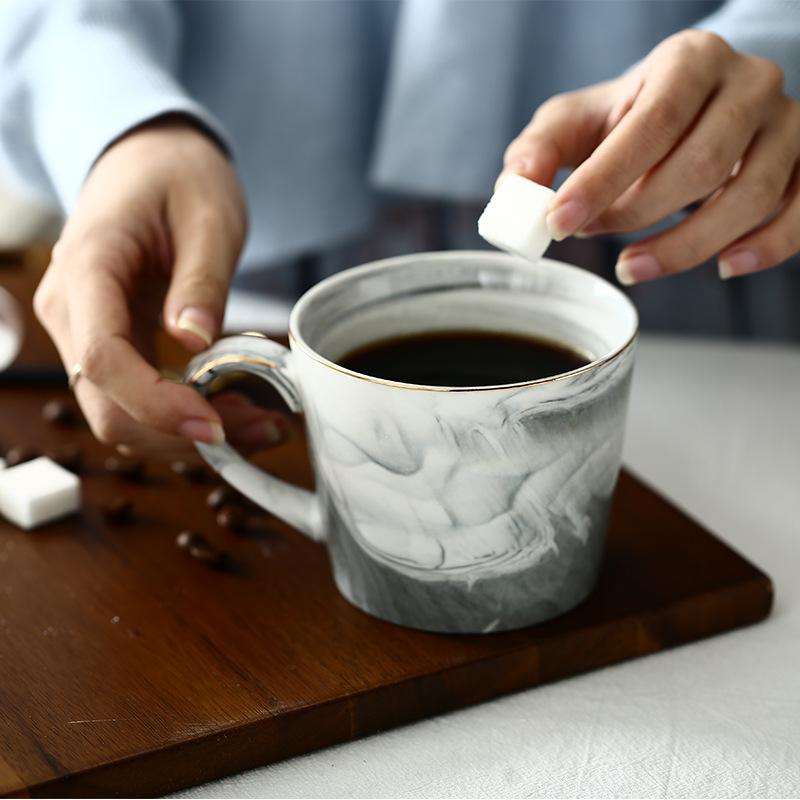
328, 107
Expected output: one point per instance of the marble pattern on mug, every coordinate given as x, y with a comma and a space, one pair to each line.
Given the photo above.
470, 485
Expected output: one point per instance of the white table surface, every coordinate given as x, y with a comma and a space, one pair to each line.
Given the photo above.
716, 426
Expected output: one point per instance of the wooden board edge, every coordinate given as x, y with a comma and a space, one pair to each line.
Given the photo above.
267, 741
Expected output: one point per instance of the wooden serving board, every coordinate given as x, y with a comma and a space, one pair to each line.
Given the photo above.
127, 668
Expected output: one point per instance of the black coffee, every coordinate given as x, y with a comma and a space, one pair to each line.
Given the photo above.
462, 358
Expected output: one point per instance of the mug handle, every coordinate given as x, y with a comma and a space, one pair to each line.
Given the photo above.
257, 355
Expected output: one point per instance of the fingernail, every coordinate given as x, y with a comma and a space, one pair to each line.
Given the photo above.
202, 430
262, 434
274, 433
198, 322
124, 450
567, 218
641, 267
737, 262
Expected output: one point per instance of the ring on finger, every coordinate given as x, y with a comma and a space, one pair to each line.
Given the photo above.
74, 376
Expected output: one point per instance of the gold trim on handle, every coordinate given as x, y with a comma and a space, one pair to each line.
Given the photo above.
222, 360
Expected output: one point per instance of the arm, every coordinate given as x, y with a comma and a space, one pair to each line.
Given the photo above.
92, 117
75, 76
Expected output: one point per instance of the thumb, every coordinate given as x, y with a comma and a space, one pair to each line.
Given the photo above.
563, 132
204, 260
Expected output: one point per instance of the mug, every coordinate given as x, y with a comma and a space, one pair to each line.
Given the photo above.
447, 509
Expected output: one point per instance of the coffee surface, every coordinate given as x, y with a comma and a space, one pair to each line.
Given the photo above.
462, 358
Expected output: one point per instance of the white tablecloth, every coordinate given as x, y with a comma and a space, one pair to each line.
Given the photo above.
716, 426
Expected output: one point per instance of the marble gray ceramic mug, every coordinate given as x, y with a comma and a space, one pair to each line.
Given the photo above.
449, 509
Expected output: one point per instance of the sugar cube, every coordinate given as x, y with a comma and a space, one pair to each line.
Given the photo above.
37, 491
514, 219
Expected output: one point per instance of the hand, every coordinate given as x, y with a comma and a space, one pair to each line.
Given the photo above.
695, 121
156, 233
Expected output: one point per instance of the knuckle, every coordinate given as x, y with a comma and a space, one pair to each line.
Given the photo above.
554, 106
661, 118
693, 252
764, 192
44, 302
690, 42
709, 42
630, 216
770, 76
93, 360
106, 425
709, 167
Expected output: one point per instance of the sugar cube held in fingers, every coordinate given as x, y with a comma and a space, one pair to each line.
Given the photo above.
514, 219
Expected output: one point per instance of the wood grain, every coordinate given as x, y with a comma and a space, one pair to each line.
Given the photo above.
126, 668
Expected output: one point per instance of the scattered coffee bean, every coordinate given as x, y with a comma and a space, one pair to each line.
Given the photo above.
58, 412
195, 473
232, 517
130, 469
186, 538
222, 496
69, 456
18, 455
200, 548
118, 510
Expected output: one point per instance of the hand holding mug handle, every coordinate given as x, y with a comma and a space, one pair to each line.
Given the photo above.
257, 355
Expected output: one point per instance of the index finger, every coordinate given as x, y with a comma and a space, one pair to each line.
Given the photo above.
100, 324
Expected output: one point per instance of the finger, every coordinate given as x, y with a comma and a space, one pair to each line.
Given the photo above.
769, 245
100, 328
674, 91
752, 196
700, 164
563, 132
249, 426
113, 426
51, 310
206, 244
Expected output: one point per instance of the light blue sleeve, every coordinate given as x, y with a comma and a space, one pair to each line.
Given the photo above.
769, 28
75, 75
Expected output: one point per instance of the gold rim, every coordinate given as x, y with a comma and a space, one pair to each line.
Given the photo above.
396, 262
498, 387
223, 360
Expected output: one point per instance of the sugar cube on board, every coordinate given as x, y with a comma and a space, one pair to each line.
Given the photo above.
37, 492
514, 219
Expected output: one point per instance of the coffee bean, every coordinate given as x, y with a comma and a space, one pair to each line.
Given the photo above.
207, 553
200, 548
196, 473
19, 454
130, 469
222, 496
186, 538
118, 510
232, 517
70, 456
58, 412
